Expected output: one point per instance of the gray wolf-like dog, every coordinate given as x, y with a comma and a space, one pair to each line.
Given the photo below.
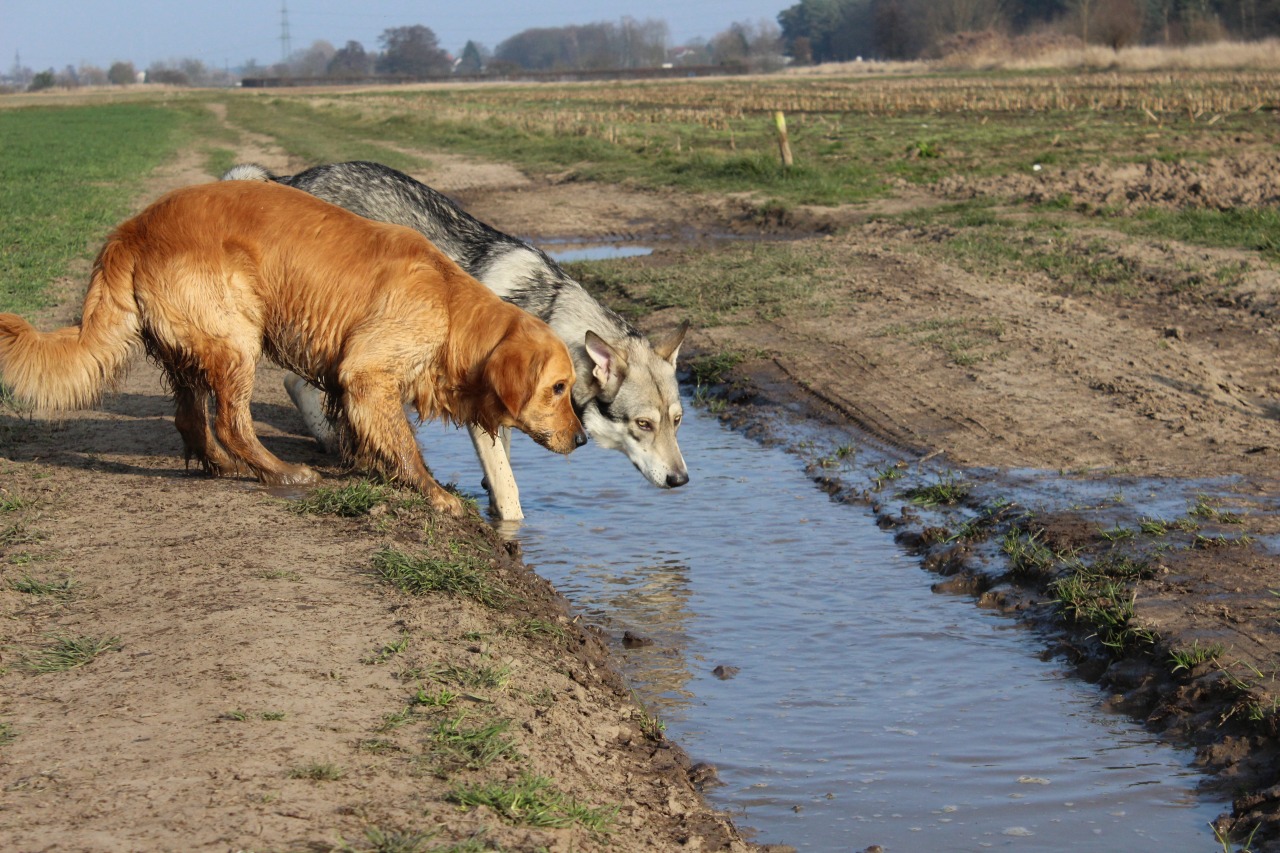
211, 277
626, 393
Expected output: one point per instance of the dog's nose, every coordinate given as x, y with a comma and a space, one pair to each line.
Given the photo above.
678, 478
580, 438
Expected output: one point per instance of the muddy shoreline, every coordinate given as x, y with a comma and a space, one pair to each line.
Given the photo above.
1210, 705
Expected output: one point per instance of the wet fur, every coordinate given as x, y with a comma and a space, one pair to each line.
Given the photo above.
624, 380
211, 277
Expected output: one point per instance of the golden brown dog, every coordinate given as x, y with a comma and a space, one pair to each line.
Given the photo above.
211, 277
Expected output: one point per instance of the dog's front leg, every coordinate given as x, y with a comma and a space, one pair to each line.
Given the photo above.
495, 460
384, 439
310, 403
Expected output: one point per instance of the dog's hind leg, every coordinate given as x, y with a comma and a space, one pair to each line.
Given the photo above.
384, 440
229, 373
192, 420
494, 453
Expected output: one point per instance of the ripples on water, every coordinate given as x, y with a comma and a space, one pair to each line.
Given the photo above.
866, 709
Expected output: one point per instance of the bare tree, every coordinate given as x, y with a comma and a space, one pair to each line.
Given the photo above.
312, 62
1118, 23
91, 75
351, 60
1082, 11
412, 51
757, 45
122, 73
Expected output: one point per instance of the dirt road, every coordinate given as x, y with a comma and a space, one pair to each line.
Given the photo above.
249, 695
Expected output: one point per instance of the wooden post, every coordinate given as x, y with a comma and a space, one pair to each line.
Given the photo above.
783, 145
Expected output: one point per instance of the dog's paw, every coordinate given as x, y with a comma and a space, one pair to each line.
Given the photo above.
447, 503
292, 475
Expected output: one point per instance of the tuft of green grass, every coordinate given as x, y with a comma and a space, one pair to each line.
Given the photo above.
69, 653
442, 698
651, 725
1028, 556
29, 585
1119, 533
713, 369
705, 398
1153, 526
458, 575
7, 734
1221, 541
473, 747
533, 801
379, 840
388, 651
377, 746
318, 772
1104, 604
395, 719
1210, 510
485, 676
1192, 656
888, 474
348, 501
13, 503
947, 492
542, 629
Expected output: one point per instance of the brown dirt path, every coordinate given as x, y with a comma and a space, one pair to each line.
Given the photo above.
252, 654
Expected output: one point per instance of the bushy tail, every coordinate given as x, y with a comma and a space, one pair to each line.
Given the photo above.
69, 368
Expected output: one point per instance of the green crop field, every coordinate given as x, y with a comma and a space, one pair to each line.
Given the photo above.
67, 175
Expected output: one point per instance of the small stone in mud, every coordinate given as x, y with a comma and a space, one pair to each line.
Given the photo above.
724, 673
704, 774
1176, 332
634, 641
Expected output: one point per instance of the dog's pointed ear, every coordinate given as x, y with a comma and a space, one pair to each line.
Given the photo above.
669, 347
609, 365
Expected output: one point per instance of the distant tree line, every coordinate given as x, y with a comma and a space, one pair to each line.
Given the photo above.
808, 32
816, 31
415, 52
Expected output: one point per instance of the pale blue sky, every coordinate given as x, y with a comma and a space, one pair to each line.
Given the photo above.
58, 33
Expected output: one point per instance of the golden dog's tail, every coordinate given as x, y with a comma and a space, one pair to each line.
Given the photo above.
69, 368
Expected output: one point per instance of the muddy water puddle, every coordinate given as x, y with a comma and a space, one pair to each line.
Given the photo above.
785, 639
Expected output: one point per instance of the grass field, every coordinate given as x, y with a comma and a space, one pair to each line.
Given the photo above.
67, 174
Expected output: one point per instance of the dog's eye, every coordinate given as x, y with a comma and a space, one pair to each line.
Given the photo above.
644, 424
559, 388
676, 419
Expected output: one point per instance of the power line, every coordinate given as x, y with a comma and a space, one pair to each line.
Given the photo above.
286, 47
